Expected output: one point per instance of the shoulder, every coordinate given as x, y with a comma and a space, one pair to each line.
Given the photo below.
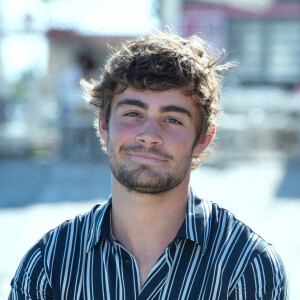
224, 223
34, 274
264, 276
72, 234
68, 228
254, 265
237, 235
30, 280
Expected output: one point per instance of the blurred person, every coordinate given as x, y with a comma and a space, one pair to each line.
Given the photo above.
74, 122
154, 238
68, 87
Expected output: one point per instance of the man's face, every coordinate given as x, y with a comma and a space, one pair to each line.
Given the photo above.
150, 139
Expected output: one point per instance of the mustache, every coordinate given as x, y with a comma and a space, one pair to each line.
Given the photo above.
141, 148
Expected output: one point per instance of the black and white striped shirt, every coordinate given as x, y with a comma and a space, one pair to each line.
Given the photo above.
214, 256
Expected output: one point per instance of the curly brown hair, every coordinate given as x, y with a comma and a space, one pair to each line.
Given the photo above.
162, 61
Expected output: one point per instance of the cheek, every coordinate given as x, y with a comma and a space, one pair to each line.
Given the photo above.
120, 133
181, 140
184, 144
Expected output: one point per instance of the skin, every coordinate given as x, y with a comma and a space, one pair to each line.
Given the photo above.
150, 138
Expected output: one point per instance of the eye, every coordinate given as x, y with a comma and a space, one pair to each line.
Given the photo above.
173, 121
132, 114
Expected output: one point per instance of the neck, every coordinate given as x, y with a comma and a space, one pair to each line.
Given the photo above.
146, 224
144, 219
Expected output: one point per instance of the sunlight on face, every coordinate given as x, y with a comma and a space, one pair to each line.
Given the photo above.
151, 139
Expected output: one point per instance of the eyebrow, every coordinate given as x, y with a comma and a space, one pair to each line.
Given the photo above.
163, 109
175, 108
133, 102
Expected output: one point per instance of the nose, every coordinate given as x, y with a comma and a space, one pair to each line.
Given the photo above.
150, 134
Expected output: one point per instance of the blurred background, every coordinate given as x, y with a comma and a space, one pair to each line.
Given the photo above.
51, 165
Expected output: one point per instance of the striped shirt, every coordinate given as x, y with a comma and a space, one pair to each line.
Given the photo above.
213, 256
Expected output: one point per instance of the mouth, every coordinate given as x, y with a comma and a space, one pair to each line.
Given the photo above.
146, 157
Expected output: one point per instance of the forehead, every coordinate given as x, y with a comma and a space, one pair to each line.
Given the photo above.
156, 99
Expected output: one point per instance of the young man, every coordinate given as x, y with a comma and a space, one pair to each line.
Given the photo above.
153, 238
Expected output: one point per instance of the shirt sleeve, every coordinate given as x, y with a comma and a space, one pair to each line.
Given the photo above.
30, 280
264, 278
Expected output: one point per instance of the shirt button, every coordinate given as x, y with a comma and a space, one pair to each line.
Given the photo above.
127, 263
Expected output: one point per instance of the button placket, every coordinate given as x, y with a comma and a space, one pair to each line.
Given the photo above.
157, 278
127, 263
130, 270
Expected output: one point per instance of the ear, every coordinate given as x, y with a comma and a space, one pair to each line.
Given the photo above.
103, 130
204, 143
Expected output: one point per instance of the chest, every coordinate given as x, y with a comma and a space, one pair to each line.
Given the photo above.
145, 267
110, 272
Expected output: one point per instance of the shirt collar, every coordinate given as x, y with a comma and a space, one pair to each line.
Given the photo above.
196, 226
100, 224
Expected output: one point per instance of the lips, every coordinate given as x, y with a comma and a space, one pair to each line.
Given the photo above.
140, 152
146, 157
